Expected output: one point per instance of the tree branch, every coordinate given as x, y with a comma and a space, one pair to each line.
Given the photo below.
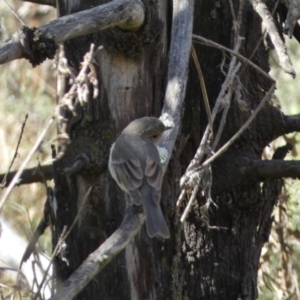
241, 130
274, 169
226, 87
43, 2
280, 48
31, 175
180, 49
209, 43
283, 11
126, 14
40, 229
292, 124
293, 16
16, 178
96, 261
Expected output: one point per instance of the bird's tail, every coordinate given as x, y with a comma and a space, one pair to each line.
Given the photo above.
155, 221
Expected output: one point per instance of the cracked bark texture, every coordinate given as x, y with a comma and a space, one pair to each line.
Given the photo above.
196, 262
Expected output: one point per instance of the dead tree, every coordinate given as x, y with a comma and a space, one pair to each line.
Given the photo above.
223, 121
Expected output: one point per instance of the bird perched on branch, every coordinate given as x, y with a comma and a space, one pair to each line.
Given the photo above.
134, 163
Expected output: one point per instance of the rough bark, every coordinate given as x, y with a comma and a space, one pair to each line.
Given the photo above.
215, 253
131, 72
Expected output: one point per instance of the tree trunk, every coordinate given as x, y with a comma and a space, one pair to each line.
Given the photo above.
215, 253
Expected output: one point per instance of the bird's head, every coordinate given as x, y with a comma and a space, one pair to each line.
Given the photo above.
149, 128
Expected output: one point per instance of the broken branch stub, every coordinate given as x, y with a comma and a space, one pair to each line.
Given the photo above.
269, 24
127, 14
292, 17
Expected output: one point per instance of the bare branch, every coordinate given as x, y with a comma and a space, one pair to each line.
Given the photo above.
209, 43
40, 229
60, 246
16, 151
189, 205
12, 248
197, 174
180, 49
274, 169
126, 14
96, 261
14, 13
279, 45
43, 2
28, 176
222, 99
203, 88
292, 17
26, 161
241, 130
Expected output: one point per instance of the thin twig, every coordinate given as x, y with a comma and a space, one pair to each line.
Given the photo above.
226, 98
86, 197
203, 87
15, 14
181, 197
223, 121
241, 130
56, 250
193, 174
62, 238
209, 43
26, 161
189, 206
43, 2
238, 20
227, 84
16, 151
232, 11
217, 154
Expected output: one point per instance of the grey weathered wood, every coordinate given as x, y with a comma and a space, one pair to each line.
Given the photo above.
43, 2
11, 49
268, 22
126, 14
180, 50
120, 89
131, 225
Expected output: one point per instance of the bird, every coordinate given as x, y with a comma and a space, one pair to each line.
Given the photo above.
134, 163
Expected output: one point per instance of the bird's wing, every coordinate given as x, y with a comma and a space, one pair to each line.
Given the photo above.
154, 175
129, 173
129, 176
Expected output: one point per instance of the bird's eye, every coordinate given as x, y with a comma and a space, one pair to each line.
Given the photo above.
154, 136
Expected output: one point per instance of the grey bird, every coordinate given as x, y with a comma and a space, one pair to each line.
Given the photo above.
135, 165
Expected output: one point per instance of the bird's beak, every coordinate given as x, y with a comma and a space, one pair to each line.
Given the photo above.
168, 127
